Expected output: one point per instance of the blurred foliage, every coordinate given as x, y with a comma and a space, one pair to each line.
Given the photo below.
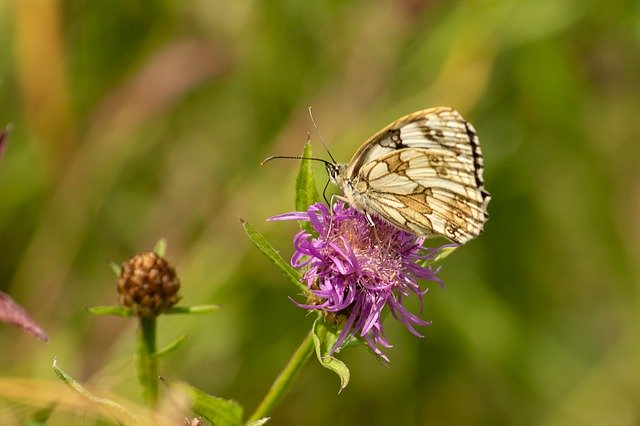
135, 120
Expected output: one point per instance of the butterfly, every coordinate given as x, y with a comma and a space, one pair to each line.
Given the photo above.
422, 173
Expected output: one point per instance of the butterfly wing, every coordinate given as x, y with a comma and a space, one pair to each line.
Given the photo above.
424, 174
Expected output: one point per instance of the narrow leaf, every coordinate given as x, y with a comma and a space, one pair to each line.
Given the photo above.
306, 191
445, 251
161, 247
267, 249
197, 309
218, 411
116, 410
324, 337
115, 310
117, 269
172, 347
41, 417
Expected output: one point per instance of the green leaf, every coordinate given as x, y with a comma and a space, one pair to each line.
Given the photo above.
218, 411
324, 337
259, 422
169, 349
261, 242
193, 310
444, 252
117, 269
116, 410
123, 311
41, 417
115, 310
306, 191
161, 247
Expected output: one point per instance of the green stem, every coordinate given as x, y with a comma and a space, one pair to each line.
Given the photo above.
147, 361
285, 379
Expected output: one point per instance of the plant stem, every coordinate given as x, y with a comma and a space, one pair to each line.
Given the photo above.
147, 362
284, 379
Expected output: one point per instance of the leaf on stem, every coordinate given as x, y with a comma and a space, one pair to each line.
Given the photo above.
267, 249
169, 349
116, 410
116, 268
218, 411
115, 310
306, 190
197, 309
324, 337
161, 247
259, 422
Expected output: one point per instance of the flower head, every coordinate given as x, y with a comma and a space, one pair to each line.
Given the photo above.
148, 285
353, 270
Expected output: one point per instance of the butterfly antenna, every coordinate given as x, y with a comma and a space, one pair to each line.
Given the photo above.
324, 192
291, 157
320, 136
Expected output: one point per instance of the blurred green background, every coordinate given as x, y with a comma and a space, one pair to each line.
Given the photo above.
136, 120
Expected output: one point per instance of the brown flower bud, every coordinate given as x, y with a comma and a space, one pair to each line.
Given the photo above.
148, 285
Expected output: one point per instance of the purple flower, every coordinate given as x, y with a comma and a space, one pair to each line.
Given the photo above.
353, 270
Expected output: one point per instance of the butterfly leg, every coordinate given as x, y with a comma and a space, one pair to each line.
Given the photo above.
331, 202
369, 219
372, 225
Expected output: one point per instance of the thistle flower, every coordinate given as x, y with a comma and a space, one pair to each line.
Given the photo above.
353, 270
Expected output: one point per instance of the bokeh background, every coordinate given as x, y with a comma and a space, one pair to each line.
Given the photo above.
136, 120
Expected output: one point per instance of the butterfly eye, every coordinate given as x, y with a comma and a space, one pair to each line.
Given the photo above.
332, 171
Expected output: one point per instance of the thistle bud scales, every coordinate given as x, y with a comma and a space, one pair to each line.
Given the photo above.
148, 285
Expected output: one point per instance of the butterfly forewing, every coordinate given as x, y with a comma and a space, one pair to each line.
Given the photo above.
423, 173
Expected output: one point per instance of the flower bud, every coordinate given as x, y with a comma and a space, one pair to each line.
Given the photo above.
148, 285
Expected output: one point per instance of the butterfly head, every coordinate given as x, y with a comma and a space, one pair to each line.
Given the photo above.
333, 170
